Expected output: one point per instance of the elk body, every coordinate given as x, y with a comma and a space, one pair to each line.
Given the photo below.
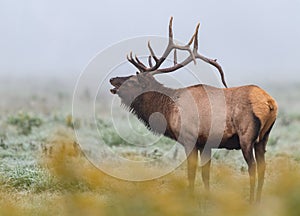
245, 114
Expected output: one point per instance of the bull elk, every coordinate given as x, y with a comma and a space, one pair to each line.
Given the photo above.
188, 117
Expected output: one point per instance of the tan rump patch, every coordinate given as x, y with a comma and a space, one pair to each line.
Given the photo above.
264, 108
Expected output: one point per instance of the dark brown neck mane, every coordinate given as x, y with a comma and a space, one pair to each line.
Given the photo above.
159, 101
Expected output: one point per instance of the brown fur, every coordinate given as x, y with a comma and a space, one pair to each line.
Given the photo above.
244, 116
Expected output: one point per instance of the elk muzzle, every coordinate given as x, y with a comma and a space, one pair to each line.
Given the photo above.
117, 82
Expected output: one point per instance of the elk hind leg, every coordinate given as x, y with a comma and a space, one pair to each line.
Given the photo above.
247, 149
260, 150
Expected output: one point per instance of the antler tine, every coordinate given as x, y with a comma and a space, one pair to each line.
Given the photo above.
210, 61
175, 56
187, 46
138, 65
169, 48
196, 38
195, 35
139, 62
171, 30
172, 45
152, 52
214, 63
149, 61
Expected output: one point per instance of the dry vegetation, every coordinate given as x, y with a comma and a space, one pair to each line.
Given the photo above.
42, 171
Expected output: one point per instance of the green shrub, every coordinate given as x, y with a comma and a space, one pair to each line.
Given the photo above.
109, 134
24, 122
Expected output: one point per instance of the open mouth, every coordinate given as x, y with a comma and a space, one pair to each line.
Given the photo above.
117, 82
116, 85
114, 90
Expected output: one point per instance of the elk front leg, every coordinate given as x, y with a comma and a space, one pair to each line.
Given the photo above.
205, 164
192, 162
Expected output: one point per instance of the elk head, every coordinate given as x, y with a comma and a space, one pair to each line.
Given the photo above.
128, 87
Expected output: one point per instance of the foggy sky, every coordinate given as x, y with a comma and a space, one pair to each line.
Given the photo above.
252, 40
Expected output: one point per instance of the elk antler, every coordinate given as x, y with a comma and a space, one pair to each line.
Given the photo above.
154, 69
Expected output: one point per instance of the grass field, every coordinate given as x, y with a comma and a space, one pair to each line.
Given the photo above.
43, 172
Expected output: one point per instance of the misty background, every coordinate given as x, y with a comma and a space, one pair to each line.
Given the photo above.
254, 41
